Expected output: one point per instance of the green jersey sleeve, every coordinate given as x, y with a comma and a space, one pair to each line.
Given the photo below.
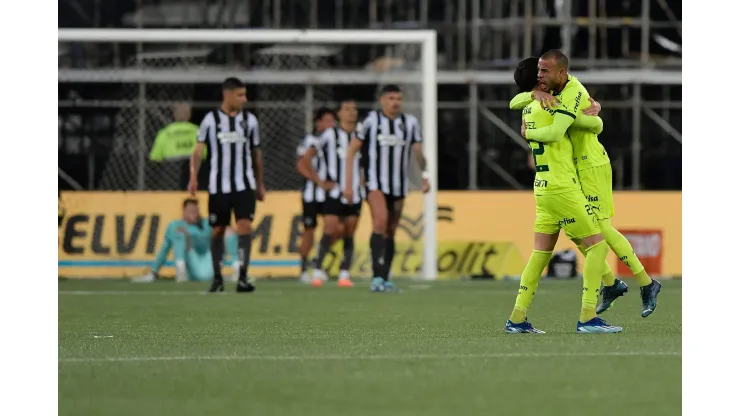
594, 124
555, 131
520, 101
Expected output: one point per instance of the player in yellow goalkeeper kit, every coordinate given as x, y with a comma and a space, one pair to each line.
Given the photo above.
560, 204
594, 169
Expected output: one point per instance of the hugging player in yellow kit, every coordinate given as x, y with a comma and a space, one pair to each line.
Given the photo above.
594, 170
560, 204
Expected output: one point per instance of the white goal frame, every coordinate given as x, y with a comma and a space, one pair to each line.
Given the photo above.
427, 39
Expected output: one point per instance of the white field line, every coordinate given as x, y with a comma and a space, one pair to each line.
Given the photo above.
511, 292
152, 293
369, 357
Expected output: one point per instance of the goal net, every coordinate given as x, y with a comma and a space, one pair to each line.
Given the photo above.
289, 74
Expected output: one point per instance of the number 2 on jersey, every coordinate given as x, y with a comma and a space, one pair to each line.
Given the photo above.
540, 150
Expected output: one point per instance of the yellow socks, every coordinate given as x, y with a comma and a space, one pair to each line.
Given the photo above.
622, 248
528, 284
643, 279
607, 276
592, 272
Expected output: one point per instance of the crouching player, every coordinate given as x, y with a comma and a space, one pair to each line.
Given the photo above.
189, 238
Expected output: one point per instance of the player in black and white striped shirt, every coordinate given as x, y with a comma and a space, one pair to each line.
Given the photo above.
340, 213
313, 195
231, 136
387, 139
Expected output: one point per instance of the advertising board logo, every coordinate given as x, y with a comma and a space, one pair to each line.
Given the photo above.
414, 226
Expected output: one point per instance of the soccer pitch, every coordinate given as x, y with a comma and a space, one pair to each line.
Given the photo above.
435, 349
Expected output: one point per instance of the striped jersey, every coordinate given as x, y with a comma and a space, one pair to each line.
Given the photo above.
386, 151
331, 147
311, 191
230, 142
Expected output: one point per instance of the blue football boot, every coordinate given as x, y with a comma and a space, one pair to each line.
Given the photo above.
596, 326
521, 328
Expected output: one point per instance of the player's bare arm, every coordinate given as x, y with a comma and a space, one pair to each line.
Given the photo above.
354, 146
594, 109
422, 161
306, 169
523, 99
530, 161
258, 172
195, 160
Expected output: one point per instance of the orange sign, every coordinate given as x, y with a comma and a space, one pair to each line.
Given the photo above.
648, 247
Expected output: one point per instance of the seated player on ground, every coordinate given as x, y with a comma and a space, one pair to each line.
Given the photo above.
189, 239
560, 204
595, 173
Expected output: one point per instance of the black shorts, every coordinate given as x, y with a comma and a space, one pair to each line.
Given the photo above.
390, 200
241, 203
311, 210
335, 206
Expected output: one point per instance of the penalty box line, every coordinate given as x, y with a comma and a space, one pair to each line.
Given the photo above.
368, 357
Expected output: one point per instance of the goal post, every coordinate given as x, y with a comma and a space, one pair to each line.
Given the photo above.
427, 64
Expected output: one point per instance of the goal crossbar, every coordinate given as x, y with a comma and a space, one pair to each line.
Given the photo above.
427, 39
245, 36
211, 75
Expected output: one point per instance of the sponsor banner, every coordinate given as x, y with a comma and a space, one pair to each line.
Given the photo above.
118, 234
648, 247
454, 260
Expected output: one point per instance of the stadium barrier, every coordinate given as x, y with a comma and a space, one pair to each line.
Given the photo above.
117, 234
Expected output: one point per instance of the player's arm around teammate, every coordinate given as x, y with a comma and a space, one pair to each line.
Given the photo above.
560, 204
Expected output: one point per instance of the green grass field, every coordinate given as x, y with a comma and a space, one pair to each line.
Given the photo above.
286, 349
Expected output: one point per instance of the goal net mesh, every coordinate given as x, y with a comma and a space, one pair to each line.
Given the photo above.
146, 109
284, 110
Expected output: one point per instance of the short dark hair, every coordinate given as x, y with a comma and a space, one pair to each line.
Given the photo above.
345, 100
389, 88
189, 201
232, 84
321, 112
558, 56
525, 74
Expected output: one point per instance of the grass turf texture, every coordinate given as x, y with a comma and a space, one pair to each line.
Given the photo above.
435, 349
